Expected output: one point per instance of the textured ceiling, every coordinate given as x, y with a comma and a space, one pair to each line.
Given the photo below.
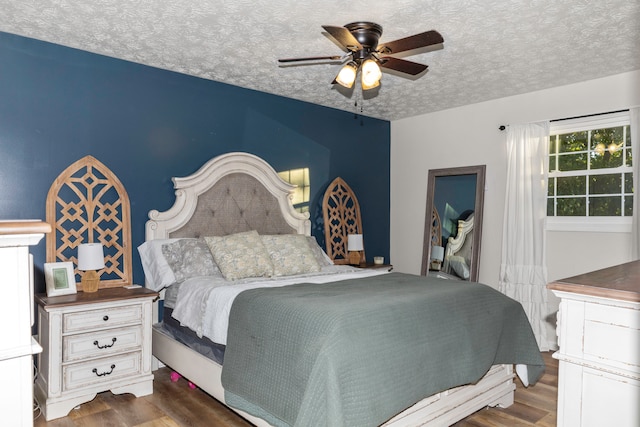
492, 48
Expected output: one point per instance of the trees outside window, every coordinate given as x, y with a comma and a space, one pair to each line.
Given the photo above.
590, 173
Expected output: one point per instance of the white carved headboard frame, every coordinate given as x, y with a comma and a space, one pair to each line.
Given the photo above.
223, 197
461, 243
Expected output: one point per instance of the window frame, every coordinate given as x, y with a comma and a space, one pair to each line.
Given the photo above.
304, 190
610, 224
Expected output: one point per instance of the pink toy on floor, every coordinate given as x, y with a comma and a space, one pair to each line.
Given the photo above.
176, 376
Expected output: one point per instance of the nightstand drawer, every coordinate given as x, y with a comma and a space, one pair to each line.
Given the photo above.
83, 321
101, 343
102, 370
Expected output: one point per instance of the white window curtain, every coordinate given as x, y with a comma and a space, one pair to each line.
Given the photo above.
634, 115
523, 270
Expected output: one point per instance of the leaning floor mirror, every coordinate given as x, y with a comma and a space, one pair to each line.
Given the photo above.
453, 223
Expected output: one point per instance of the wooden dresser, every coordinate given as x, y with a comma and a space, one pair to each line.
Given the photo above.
599, 339
17, 347
93, 342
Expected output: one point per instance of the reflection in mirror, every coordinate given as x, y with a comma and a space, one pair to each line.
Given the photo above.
453, 223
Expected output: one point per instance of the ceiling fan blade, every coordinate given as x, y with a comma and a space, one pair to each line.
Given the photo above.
416, 41
312, 58
402, 65
344, 37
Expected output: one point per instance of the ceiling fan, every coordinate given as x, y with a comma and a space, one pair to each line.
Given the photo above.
360, 41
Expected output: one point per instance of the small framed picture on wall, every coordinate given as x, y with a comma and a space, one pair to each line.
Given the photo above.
59, 278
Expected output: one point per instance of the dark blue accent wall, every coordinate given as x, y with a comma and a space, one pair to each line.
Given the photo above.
147, 125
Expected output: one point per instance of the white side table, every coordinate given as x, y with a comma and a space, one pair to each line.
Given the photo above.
93, 342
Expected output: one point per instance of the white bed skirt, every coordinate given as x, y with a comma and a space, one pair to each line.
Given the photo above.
496, 388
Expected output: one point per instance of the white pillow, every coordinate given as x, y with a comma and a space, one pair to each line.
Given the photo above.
240, 255
459, 266
290, 254
157, 272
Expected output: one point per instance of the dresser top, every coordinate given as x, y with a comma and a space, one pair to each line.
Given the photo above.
620, 282
102, 295
24, 226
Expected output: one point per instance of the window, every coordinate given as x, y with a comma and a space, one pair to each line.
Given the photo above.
299, 177
590, 183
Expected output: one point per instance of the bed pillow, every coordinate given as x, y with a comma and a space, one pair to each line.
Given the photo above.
157, 272
290, 254
189, 258
240, 255
459, 266
321, 256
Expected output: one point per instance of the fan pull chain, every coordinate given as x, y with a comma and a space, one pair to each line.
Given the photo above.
355, 114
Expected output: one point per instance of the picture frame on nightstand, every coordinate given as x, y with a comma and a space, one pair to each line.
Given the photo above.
60, 278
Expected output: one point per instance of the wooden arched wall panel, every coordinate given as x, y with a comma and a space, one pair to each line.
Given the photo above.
341, 212
436, 228
87, 203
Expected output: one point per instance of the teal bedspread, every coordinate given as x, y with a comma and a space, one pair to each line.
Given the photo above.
357, 352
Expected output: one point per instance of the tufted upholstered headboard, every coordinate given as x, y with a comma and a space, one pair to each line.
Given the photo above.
230, 193
237, 202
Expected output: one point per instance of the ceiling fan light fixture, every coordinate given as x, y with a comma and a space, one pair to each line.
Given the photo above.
371, 74
347, 75
360, 41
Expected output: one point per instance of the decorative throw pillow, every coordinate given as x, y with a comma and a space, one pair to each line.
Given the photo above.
290, 254
321, 256
240, 255
189, 258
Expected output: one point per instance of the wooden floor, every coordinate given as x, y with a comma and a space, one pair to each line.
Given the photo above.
534, 406
176, 405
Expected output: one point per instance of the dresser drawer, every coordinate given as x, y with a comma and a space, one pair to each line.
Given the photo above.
83, 321
101, 343
103, 370
612, 335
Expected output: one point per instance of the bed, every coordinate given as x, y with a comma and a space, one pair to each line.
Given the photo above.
239, 194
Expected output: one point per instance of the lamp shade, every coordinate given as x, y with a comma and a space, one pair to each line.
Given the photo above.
90, 256
371, 74
354, 242
437, 253
347, 75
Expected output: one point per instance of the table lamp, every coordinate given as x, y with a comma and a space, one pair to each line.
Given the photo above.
90, 259
437, 256
354, 246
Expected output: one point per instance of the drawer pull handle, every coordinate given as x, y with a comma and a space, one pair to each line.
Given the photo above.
113, 341
95, 371
105, 318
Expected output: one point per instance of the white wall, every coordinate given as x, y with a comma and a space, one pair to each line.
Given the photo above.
469, 135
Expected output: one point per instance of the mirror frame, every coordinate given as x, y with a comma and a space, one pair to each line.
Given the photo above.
480, 172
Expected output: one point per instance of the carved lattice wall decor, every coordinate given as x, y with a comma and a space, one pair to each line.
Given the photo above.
436, 229
87, 203
341, 212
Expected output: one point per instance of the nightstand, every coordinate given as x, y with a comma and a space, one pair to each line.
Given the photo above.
93, 342
389, 267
